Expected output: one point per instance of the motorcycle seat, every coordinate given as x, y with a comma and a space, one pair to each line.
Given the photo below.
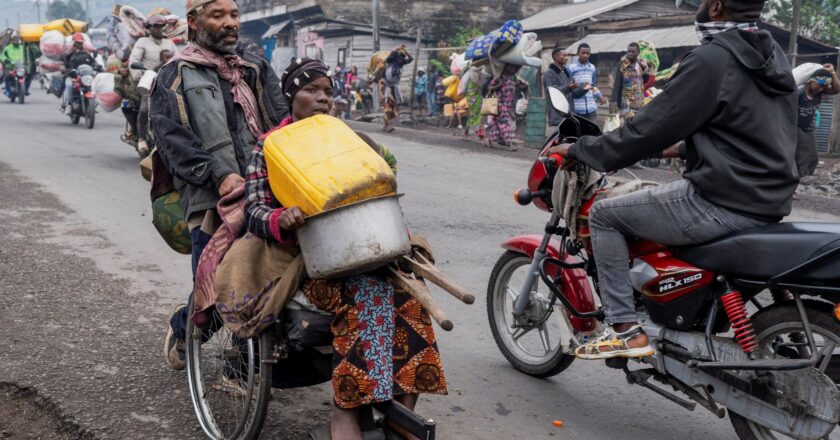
764, 252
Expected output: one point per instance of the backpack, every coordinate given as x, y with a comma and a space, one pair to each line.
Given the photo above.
167, 214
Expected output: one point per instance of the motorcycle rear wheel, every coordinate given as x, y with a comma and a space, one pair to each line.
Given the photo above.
773, 326
500, 296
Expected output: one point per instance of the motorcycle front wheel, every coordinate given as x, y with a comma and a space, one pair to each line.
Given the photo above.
536, 351
90, 116
21, 94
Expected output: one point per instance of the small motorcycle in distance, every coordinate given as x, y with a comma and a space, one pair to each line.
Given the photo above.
16, 83
773, 368
82, 102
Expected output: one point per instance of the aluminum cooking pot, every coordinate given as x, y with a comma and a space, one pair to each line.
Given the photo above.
354, 239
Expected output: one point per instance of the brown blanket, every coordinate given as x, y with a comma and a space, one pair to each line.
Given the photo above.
254, 282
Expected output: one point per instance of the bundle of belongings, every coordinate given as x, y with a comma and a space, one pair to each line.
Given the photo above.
125, 25
104, 90
487, 56
52, 49
377, 65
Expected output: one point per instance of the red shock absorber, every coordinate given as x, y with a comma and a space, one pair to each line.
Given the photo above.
741, 325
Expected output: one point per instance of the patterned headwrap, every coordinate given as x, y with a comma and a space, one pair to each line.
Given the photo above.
301, 72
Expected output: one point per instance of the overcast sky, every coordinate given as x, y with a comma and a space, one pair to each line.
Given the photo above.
9, 9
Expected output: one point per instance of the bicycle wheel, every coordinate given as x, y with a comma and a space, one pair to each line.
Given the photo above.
229, 380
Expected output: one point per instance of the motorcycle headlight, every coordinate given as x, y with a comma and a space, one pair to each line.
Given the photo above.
87, 80
20, 71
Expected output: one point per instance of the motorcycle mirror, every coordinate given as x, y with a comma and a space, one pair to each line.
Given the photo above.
558, 100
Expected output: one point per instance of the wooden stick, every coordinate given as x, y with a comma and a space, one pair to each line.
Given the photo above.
425, 269
421, 293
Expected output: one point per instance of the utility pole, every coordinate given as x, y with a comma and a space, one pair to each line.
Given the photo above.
87, 11
414, 76
793, 47
38, 8
376, 25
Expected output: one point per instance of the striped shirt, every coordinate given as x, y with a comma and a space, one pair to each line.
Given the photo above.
584, 74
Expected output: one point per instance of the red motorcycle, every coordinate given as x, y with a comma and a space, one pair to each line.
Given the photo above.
82, 102
773, 365
16, 83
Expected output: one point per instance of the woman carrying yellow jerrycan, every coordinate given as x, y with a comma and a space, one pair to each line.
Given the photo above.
385, 346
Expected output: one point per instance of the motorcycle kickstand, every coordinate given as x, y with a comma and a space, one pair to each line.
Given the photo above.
642, 377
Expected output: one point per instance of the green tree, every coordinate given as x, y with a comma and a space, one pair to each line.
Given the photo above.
66, 9
461, 37
820, 19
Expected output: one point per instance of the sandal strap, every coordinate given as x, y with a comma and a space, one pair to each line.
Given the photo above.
630, 333
595, 347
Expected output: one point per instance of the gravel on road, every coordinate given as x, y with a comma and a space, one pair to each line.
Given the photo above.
83, 338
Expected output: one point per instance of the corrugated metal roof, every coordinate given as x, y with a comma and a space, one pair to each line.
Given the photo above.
275, 28
823, 132
565, 15
681, 36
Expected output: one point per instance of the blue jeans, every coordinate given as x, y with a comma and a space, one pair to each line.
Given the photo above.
10, 83
179, 320
430, 97
673, 214
68, 91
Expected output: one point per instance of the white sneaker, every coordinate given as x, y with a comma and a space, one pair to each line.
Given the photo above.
68, 110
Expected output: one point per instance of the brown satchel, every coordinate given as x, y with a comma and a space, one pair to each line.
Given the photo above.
490, 106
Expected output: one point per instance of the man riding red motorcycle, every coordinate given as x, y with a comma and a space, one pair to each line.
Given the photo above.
733, 100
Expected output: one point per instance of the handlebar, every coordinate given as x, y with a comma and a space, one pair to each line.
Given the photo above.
524, 197
552, 161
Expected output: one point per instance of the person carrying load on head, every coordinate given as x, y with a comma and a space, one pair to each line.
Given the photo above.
389, 86
822, 82
146, 56
385, 346
208, 107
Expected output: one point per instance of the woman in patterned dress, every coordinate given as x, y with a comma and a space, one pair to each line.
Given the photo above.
502, 127
385, 346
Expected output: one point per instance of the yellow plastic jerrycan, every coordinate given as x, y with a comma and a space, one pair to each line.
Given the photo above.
319, 164
30, 33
